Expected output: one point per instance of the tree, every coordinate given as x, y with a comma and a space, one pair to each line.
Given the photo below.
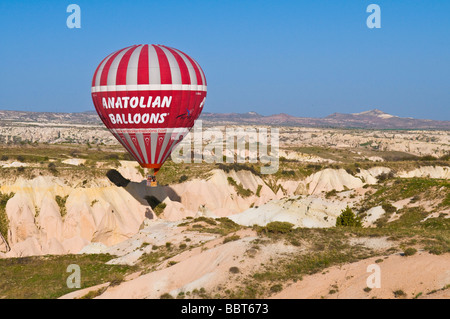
348, 218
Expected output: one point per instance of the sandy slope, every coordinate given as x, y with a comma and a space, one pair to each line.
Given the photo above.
420, 273
208, 266
200, 267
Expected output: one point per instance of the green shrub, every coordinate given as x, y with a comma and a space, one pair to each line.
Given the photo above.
385, 176
348, 218
61, 201
111, 157
279, 227
276, 288
258, 190
388, 208
446, 201
234, 270
331, 193
231, 238
418, 295
428, 158
243, 192
399, 293
332, 291
287, 173
159, 209
409, 251
181, 295
237, 167
116, 279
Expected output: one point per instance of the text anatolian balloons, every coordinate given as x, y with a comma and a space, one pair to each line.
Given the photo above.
149, 96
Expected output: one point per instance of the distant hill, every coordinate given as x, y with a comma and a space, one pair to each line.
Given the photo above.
373, 119
88, 117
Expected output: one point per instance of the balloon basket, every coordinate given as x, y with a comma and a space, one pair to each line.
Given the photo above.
151, 181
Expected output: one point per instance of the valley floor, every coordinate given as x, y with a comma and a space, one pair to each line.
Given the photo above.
226, 230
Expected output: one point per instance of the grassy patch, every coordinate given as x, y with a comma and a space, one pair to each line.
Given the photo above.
4, 221
173, 173
149, 261
446, 201
323, 248
326, 247
401, 188
153, 257
228, 167
46, 276
410, 217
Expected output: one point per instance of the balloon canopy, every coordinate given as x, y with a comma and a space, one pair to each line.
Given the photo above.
149, 97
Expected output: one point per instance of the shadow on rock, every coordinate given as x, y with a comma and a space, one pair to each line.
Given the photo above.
149, 196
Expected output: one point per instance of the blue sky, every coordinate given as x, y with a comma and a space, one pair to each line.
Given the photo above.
304, 58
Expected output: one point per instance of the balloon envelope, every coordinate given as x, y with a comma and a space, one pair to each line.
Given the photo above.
149, 97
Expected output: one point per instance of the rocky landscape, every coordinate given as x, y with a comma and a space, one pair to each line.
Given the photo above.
218, 230
372, 119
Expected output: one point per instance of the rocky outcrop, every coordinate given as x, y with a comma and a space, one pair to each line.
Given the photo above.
217, 197
38, 224
310, 212
331, 179
48, 216
370, 176
427, 172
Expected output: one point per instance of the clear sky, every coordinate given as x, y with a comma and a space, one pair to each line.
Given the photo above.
304, 58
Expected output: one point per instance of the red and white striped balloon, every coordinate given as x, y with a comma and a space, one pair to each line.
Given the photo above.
149, 97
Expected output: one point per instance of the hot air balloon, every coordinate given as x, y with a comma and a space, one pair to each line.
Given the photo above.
149, 97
